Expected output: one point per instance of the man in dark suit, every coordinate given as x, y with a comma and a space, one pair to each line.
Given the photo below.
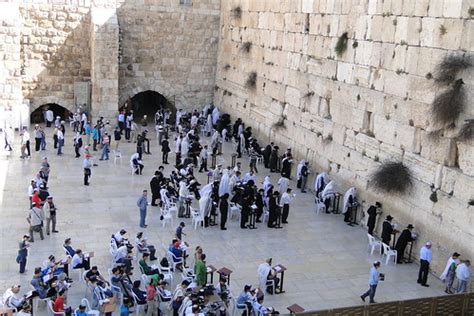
155, 187
405, 237
387, 230
372, 212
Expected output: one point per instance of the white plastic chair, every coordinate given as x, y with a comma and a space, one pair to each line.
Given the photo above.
51, 311
138, 307
117, 155
373, 244
266, 215
36, 301
133, 168
319, 205
188, 275
234, 210
167, 218
2, 305
86, 283
389, 253
171, 207
173, 260
239, 307
89, 311
197, 218
167, 274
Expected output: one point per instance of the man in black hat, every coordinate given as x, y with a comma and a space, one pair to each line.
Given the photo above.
155, 187
405, 237
387, 229
372, 212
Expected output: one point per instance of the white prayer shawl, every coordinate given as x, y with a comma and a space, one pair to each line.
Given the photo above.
183, 189
177, 145
283, 184
209, 123
249, 177
194, 121
263, 272
298, 169
242, 142
205, 200
215, 139
352, 191
178, 117
224, 185
320, 180
233, 181
266, 184
224, 133
328, 190
215, 115
446, 269
164, 197
184, 147
241, 129
134, 156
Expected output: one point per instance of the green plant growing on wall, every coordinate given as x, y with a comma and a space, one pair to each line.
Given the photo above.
237, 12
449, 67
251, 82
246, 46
467, 131
442, 30
226, 67
341, 45
391, 177
471, 11
448, 105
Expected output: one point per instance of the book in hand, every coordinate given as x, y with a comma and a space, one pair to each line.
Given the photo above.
382, 277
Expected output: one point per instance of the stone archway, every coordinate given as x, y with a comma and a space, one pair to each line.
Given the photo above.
147, 103
36, 115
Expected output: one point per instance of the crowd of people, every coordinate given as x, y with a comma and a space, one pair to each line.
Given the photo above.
229, 191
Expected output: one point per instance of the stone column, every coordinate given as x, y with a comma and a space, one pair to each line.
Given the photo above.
104, 62
11, 98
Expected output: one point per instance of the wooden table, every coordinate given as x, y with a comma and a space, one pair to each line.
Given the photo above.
210, 270
295, 308
226, 273
110, 306
280, 269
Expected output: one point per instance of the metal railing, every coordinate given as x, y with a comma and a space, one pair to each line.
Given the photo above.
453, 305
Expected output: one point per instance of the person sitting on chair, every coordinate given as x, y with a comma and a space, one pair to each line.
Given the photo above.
152, 273
178, 254
143, 247
80, 261
140, 295
266, 273
137, 163
94, 273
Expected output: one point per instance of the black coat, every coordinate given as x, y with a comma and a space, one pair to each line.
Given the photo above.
387, 230
403, 240
155, 186
165, 146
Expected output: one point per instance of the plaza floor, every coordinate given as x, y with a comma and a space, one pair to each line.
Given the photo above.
327, 261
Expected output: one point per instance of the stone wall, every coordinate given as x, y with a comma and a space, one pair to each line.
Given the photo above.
55, 51
346, 114
169, 48
10, 63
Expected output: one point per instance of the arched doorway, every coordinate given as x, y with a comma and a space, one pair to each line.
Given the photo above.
147, 103
37, 116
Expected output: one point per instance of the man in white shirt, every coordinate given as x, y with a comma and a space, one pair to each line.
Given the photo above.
25, 143
285, 201
49, 117
12, 299
463, 274
120, 236
283, 184
425, 259
249, 176
60, 141
79, 261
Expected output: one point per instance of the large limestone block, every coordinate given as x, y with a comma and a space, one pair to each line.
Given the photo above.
374, 28
420, 89
388, 26
384, 129
367, 146
438, 149
292, 96
422, 169
345, 72
466, 158
396, 84
307, 6
453, 8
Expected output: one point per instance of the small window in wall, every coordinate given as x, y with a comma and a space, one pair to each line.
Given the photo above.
186, 2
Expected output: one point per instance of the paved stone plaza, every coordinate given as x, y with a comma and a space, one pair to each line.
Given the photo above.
327, 261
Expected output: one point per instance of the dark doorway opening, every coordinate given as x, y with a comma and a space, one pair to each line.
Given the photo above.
147, 103
37, 116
